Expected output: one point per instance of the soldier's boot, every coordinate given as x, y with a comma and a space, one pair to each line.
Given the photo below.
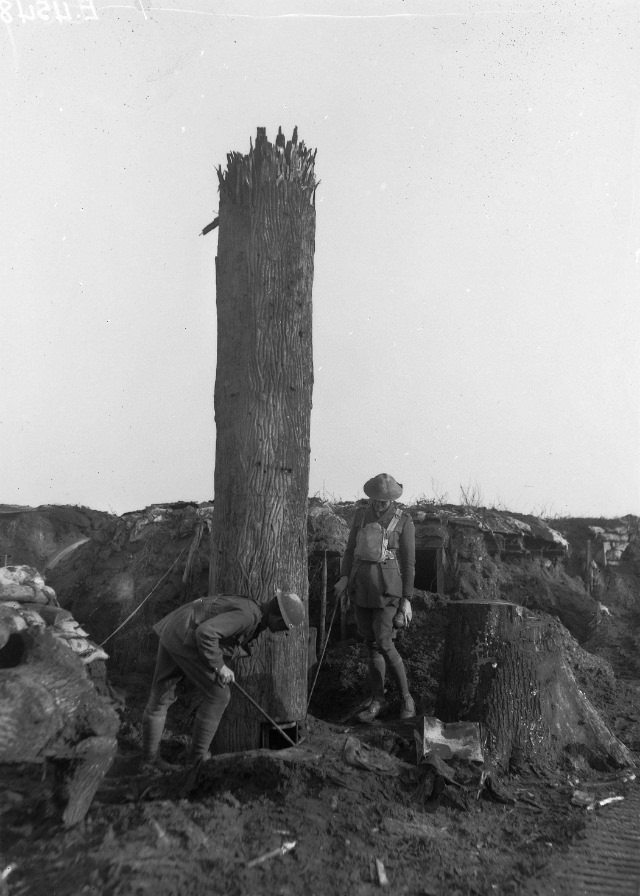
206, 724
374, 709
153, 722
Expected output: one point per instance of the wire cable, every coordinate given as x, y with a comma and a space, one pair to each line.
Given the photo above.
131, 615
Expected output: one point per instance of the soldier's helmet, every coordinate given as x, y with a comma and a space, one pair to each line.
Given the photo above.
291, 608
382, 488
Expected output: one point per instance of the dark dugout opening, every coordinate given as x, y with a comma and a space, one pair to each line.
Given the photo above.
427, 564
272, 739
12, 652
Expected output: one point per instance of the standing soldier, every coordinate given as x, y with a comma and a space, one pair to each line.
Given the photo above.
378, 570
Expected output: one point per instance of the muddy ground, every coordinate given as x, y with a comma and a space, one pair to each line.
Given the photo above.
350, 808
170, 832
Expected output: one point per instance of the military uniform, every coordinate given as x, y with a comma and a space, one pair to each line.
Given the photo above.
379, 584
195, 642
378, 587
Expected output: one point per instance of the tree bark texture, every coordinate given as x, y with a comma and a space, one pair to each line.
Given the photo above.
264, 381
50, 710
506, 668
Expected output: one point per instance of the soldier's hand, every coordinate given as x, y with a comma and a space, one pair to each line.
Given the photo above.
405, 607
341, 586
226, 675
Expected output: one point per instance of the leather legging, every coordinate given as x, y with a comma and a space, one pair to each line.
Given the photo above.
375, 625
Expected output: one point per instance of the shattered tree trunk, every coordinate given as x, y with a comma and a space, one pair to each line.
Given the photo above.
264, 380
506, 668
51, 712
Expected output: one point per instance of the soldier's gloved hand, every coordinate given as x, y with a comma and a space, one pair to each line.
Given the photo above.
405, 607
225, 675
341, 586
403, 615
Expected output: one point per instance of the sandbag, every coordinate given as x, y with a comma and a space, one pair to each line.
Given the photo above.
23, 593
25, 584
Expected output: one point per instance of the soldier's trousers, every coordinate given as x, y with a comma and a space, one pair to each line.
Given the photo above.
169, 671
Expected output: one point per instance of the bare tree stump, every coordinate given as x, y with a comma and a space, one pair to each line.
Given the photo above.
264, 381
507, 669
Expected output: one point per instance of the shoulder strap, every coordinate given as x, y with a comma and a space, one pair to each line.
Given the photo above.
395, 520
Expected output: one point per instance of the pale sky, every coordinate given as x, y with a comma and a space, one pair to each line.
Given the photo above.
476, 314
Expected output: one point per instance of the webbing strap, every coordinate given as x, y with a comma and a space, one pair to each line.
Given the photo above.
394, 522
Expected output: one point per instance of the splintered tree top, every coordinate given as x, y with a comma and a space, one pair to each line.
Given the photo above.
286, 162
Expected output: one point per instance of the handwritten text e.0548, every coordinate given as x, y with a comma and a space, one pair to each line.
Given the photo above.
47, 11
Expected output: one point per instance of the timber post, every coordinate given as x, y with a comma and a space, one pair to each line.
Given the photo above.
264, 380
323, 603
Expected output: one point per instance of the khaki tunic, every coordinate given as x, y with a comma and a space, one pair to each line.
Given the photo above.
376, 585
207, 631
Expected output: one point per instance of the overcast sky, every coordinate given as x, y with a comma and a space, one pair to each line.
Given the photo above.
476, 314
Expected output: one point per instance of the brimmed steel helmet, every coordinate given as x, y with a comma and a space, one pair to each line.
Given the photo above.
382, 488
291, 608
